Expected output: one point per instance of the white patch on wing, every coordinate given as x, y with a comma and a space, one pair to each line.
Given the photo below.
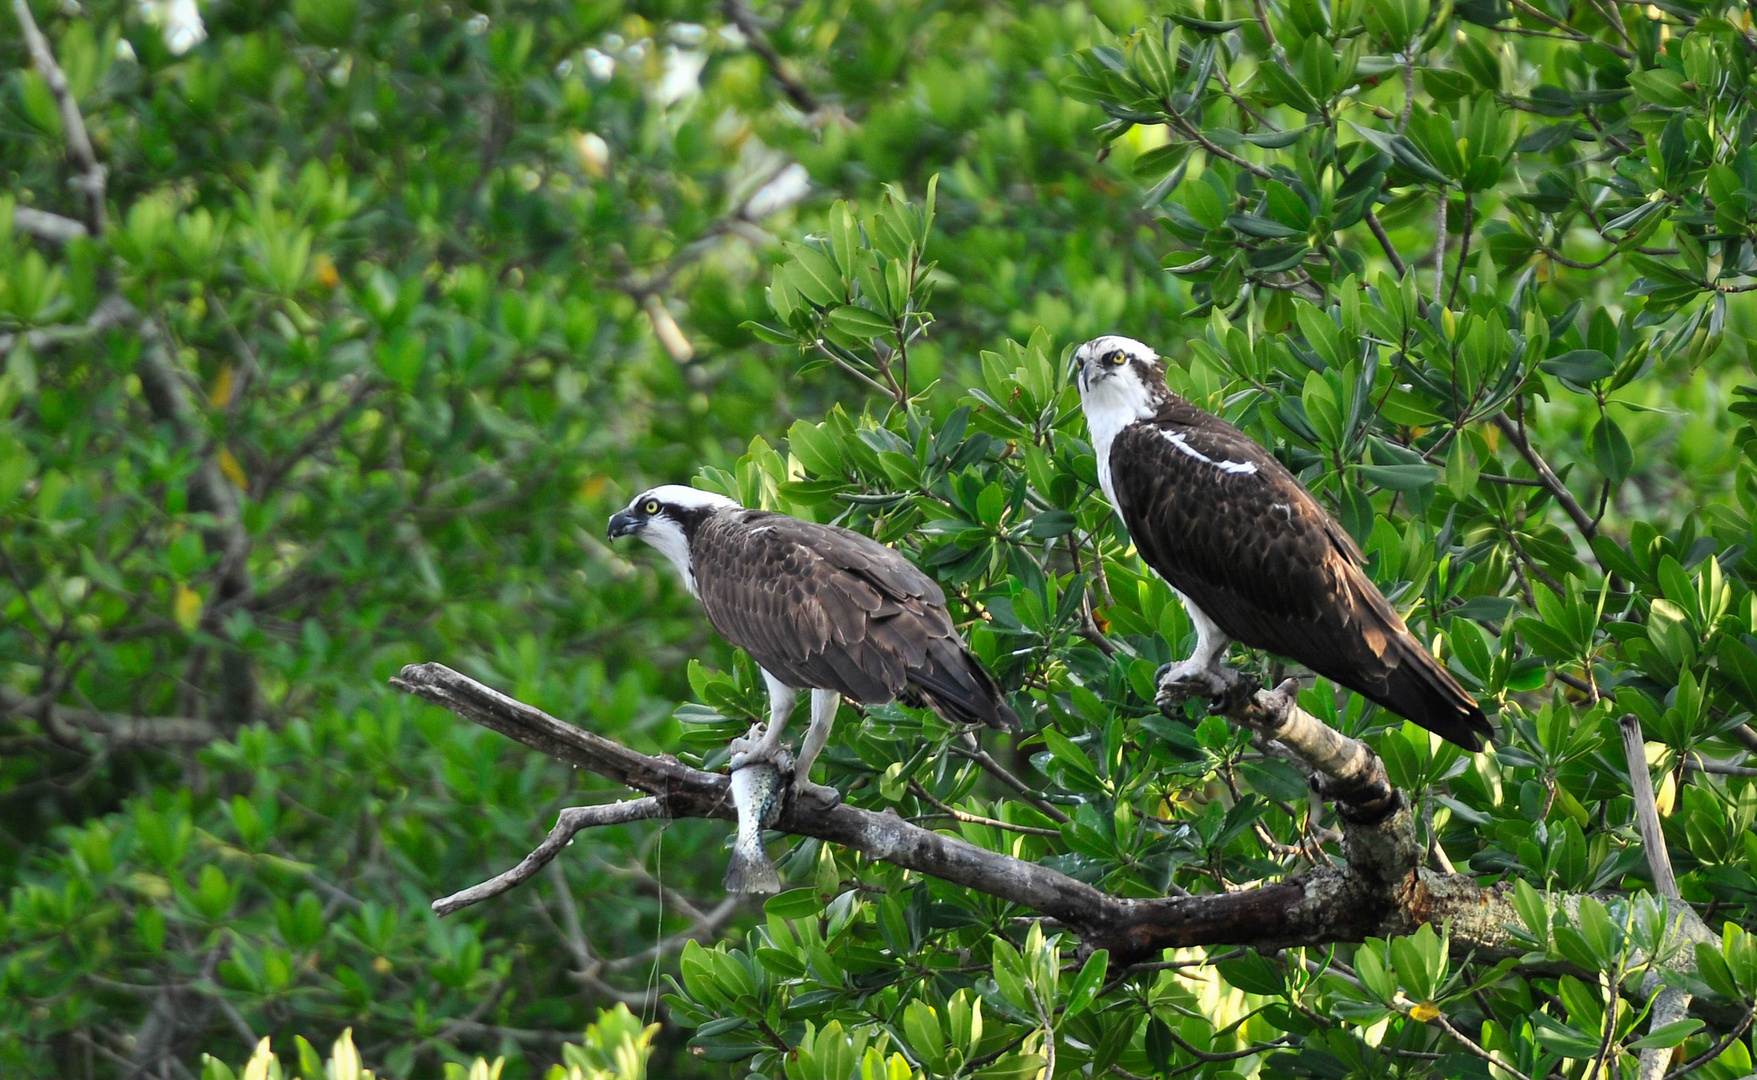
1177, 439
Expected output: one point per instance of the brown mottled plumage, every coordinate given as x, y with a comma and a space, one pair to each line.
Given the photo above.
822, 606
1249, 548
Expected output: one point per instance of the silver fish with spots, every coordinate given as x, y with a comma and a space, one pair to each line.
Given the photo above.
758, 791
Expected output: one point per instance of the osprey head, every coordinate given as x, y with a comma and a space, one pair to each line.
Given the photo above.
1115, 357
666, 511
666, 517
1119, 374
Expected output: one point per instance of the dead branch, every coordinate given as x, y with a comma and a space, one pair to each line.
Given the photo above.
1341, 769
1670, 1003
43, 225
1659, 861
571, 821
1379, 891
90, 179
738, 13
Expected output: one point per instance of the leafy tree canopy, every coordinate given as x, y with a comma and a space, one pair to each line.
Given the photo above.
334, 330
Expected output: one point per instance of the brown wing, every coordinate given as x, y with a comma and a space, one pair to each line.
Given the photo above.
821, 606
1226, 525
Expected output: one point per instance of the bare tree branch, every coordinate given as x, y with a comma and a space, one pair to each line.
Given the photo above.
1380, 890
1671, 1004
1551, 482
111, 312
46, 226
113, 729
571, 821
1659, 861
90, 179
738, 13
163, 384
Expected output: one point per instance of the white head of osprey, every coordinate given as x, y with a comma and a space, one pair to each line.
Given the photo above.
656, 515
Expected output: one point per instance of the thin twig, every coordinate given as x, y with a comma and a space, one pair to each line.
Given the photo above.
1463, 251
571, 821
1397, 264
974, 751
977, 819
1559, 491
1475, 1048
738, 13
46, 226
1716, 1050
90, 181
709, 923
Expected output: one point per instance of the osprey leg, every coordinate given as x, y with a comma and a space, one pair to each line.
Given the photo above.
781, 699
824, 704
1200, 675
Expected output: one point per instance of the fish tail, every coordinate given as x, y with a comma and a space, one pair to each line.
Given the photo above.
750, 871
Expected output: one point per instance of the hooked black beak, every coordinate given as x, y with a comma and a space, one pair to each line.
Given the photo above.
1089, 373
622, 523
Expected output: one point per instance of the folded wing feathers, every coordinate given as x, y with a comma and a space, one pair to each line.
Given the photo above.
826, 607
1263, 559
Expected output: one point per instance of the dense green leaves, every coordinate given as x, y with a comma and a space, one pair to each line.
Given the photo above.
441, 290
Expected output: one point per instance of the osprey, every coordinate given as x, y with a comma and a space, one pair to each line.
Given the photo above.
817, 607
1251, 553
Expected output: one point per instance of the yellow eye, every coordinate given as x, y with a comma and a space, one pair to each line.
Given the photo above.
1115, 356
652, 506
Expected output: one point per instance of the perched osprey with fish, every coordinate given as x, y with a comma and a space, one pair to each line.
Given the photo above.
819, 608
1254, 557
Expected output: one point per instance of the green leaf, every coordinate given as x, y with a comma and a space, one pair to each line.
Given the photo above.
793, 904
1610, 450
813, 274
1668, 1035
859, 322
1400, 477
815, 448
1084, 988
1568, 1041
1065, 752
1582, 367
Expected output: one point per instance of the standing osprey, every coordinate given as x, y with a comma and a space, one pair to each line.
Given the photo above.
1252, 554
817, 607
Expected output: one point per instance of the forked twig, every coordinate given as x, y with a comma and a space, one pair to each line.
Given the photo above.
572, 820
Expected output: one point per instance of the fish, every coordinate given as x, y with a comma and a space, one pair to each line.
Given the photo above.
759, 789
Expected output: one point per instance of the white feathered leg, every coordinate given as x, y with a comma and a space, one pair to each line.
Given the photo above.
1201, 674
781, 699
824, 704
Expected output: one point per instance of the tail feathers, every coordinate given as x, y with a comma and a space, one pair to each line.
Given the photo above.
954, 684
751, 872
1419, 689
